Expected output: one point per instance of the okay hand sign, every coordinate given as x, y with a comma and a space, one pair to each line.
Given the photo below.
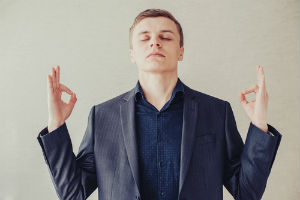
256, 110
58, 110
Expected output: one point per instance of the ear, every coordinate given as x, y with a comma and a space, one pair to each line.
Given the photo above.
131, 56
180, 58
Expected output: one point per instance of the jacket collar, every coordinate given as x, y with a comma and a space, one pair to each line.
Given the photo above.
138, 91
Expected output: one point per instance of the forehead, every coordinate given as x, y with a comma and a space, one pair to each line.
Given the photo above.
155, 24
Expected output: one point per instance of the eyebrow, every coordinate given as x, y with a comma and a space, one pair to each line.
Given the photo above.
164, 31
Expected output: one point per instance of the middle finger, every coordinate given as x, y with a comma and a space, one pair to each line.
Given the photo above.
57, 75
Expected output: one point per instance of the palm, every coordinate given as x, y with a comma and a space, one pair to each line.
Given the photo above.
249, 108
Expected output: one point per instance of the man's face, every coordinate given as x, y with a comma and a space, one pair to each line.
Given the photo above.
156, 35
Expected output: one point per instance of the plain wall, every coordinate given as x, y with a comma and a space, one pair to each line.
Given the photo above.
224, 41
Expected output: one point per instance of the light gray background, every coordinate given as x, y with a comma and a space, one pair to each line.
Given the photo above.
224, 41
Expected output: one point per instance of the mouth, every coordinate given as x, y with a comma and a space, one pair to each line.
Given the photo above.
155, 55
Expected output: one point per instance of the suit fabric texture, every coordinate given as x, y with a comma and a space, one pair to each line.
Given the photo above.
213, 153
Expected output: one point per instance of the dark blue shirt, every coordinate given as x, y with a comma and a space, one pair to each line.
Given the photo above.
159, 143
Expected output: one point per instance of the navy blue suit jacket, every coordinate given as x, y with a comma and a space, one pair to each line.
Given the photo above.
212, 153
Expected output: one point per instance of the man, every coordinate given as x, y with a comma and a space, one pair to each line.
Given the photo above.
161, 139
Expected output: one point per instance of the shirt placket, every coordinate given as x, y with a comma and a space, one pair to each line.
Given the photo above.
160, 155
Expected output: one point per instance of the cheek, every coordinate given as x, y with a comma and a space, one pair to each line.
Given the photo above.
173, 52
139, 57
140, 52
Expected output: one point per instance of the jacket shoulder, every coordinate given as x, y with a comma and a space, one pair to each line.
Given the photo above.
113, 102
207, 98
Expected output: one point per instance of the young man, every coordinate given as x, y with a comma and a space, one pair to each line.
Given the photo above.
161, 139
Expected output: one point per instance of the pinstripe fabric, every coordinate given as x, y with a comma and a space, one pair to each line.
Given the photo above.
212, 153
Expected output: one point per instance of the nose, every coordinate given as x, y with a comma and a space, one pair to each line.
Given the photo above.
155, 43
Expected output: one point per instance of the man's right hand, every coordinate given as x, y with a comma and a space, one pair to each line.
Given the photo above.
58, 110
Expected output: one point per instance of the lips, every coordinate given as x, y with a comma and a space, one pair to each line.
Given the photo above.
155, 54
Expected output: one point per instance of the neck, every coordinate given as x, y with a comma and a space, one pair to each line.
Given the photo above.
158, 87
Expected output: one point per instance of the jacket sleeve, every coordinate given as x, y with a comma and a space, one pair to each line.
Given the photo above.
247, 166
74, 177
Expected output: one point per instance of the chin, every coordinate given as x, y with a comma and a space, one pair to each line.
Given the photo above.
155, 68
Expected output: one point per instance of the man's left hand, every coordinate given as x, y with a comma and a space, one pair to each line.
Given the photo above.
256, 110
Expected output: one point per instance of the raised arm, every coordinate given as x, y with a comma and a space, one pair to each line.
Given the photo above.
74, 177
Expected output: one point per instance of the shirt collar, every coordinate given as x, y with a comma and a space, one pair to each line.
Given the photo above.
138, 91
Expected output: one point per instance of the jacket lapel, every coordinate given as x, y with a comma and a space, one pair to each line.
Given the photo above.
127, 116
190, 111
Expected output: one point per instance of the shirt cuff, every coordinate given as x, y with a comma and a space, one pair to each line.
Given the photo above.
271, 130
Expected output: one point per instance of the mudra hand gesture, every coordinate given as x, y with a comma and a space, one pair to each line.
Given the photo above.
58, 110
256, 110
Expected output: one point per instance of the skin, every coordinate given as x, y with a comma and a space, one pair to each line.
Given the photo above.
58, 110
157, 74
256, 110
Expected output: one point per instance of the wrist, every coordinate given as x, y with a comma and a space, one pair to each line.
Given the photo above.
262, 126
54, 125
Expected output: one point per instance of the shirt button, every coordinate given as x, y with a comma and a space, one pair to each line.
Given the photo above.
161, 164
162, 193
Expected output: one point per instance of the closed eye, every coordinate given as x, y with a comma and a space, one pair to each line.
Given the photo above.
161, 38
